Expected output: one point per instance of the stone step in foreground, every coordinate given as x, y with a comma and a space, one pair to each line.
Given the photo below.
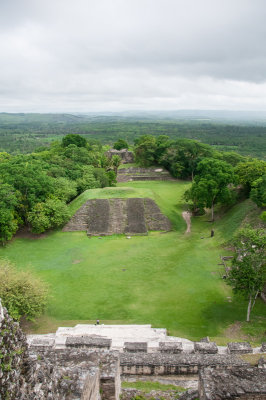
134, 339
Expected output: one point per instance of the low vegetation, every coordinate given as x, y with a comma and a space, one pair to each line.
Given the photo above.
21, 292
148, 386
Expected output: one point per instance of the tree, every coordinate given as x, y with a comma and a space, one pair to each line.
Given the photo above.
250, 171
211, 184
29, 177
65, 189
120, 144
182, 157
9, 219
248, 273
78, 140
116, 161
258, 191
145, 147
50, 214
21, 292
88, 179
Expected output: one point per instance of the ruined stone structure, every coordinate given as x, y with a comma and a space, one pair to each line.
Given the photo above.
117, 216
235, 383
143, 174
127, 157
87, 362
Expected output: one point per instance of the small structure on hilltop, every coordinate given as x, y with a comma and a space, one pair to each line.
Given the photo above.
127, 156
143, 174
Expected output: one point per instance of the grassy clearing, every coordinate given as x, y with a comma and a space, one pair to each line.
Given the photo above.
170, 280
148, 386
128, 165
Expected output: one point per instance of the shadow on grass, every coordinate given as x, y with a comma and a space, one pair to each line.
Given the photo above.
219, 316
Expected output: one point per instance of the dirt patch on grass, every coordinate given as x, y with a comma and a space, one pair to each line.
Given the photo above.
25, 233
76, 261
235, 333
187, 217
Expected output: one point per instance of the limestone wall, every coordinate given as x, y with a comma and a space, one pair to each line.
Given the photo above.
238, 383
40, 372
13, 358
174, 364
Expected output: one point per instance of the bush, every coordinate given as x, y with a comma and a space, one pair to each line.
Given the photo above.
21, 292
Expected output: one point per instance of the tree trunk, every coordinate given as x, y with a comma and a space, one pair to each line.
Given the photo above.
212, 212
249, 307
254, 301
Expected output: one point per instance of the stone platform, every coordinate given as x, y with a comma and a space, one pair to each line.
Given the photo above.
143, 174
137, 338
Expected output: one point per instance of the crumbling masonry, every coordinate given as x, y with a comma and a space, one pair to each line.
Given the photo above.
83, 363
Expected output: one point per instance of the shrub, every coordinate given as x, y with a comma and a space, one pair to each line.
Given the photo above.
21, 292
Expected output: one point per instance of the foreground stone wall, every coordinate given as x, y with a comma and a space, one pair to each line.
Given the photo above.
237, 383
41, 372
13, 357
80, 370
174, 364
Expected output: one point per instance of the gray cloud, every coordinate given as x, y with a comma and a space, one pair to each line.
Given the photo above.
82, 55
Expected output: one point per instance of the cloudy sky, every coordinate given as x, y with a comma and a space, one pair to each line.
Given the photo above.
112, 55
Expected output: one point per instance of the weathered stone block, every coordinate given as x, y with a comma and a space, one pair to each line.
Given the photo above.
41, 344
239, 348
170, 347
263, 347
135, 347
89, 342
236, 383
205, 347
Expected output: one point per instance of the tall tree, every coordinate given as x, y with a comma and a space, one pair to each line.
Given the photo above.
74, 139
9, 221
116, 161
258, 191
145, 148
120, 144
250, 171
248, 273
211, 184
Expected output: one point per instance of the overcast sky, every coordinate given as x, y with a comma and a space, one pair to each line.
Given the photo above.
112, 55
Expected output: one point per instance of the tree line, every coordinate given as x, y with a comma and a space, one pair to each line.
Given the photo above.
215, 175
35, 188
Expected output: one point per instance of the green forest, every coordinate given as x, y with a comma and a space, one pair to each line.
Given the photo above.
23, 133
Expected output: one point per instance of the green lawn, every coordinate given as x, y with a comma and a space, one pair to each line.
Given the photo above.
170, 280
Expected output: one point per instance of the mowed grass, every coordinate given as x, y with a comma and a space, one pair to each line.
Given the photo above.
170, 280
